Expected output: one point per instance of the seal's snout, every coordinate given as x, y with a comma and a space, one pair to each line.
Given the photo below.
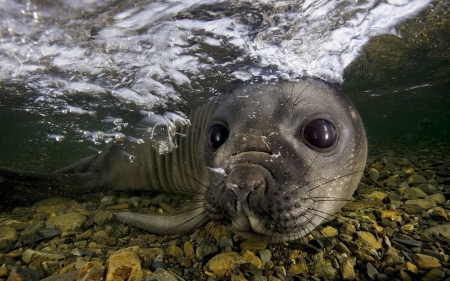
246, 184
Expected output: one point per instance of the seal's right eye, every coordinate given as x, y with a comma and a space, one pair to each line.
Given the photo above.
218, 134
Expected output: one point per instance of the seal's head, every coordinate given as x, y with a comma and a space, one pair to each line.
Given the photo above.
285, 158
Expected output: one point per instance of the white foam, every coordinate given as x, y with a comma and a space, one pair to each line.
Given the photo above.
143, 53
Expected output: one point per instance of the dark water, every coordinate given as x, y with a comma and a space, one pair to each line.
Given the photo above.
400, 86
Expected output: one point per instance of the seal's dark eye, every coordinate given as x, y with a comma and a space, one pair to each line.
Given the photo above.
218, 134
320, 133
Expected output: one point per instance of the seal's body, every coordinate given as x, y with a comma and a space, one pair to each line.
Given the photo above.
268, 160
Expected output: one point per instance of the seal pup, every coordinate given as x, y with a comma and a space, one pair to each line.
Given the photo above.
267, 160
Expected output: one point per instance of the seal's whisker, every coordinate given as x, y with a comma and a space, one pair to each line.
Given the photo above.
334, 179
304, 174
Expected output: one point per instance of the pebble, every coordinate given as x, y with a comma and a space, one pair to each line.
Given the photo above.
122, 265
108, 200
223, 263
433, 275
443, 230
265, 255
425, 261
22, 274
162, 275
67, 222
347, 270
250, 257
425, 204
414, 192
33, 256
368, 238
91, 271
255, 245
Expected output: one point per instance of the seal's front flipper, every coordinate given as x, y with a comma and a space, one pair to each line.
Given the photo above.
191, 217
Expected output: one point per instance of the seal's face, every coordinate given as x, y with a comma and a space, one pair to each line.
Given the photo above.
288, 163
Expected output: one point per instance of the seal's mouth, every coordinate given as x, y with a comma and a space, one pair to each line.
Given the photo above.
257, 198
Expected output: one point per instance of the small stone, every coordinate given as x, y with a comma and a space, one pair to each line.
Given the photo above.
409, 242
101, 237
371, 271
329, 231
377, 195
265, 256
250, 271
9, 234
149, 255
52, 206
437, 197
374, 174
122, 265
414, 192
162, 275
206, 247
347, 270
433, 275
427, 188
108, 200
347, 228
443, 230
407, 228
425, 204
4, 271
32, 256
369, 239
120, 206
158, 262
174, 251
189, 250
299, 268
91, 271
252, 258
425, 261
392, 181
253, 244
407, 266
101, 217
22, 274
166, 207
416, 179
392, 258
343, 249
405, 276
223, 263
363, 256
67, 222
385, 214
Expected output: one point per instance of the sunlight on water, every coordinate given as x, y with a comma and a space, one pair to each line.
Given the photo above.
76, 57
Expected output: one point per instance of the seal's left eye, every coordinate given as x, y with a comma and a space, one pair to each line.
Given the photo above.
218, 134
320, 133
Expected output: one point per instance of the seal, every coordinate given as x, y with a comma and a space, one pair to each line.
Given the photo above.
272, 160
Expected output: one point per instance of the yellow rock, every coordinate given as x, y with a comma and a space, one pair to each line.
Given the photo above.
298, 268
329, 231
253, 244
251, 258
368, 238
223, 264
426, 262
122, 266
189, 250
